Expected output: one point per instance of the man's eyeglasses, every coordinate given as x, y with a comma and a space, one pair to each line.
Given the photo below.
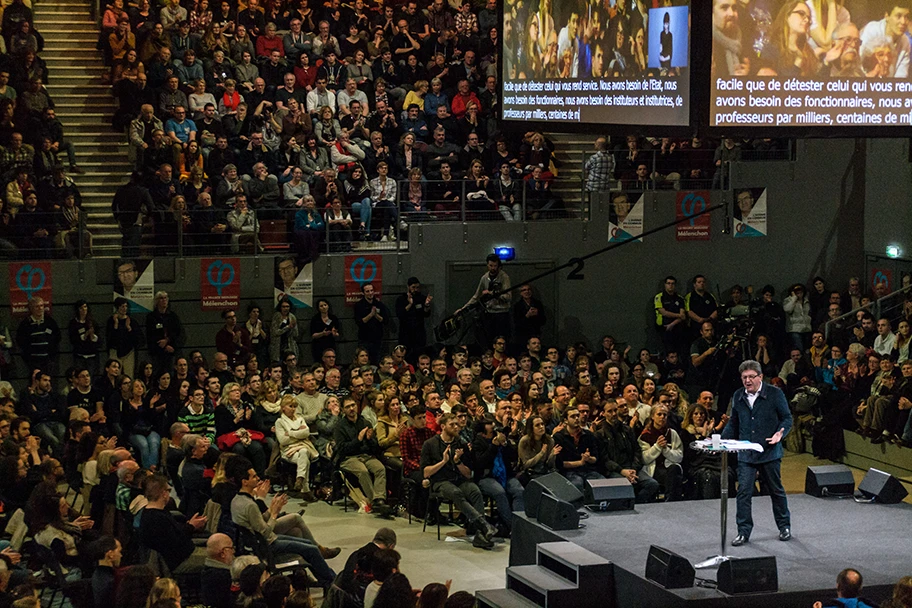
749, 377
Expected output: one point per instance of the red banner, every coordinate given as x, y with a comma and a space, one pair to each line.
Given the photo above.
359, 270
882, 275
29, 280
687, 206
220, 283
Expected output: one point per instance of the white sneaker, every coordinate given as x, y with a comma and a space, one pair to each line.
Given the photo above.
392, 234
384, 239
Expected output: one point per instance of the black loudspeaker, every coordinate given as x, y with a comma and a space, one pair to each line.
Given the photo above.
882, 487
609, 494
669, 569
829, 480
557, 514
553, 484
748, 575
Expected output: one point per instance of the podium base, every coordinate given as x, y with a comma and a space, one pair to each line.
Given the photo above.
712, 562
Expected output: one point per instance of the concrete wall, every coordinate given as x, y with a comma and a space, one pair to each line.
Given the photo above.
825, 210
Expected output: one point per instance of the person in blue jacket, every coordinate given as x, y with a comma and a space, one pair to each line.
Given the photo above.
759, 414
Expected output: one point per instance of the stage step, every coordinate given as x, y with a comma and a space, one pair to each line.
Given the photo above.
539, 585
502, 598
564, 576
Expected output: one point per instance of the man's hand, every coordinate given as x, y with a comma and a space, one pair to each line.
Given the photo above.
630, 474
446, 455
362, 434
776, 438
198, 521
457, 455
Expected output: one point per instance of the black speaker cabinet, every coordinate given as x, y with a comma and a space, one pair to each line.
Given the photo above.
748, 575
557, 514
553, 484
829, 480
669, 569
882, 487
609, 494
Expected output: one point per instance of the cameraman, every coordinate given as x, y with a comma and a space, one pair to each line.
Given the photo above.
496, 310
495, 456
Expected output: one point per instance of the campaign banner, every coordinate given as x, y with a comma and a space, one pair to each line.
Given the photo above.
687, 206
359, 270
135, 281
750, 213
29, 280
220, 283
625, 217
293, 282
882, 276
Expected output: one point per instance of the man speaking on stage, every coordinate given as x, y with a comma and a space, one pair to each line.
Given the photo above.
759, 414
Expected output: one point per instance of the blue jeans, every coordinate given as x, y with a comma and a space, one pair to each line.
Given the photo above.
769, 478
578, 478
364, 210
148, 447
507, 499
310, 552
52, 434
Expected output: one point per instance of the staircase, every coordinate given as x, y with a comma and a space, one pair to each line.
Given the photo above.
564, 576
571, 149
85, 106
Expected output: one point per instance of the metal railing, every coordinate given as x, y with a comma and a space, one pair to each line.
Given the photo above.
682, 169
891, 306
37, 235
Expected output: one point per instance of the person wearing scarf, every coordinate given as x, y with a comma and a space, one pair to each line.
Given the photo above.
294, 438
663, 453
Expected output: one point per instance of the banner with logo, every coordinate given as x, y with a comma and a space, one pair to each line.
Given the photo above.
687, 206
220, 283
294, 282
750, 213
135, 281
29, 280
882, 276
361, 269
625, 217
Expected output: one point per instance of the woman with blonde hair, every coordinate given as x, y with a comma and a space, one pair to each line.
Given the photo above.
296, 447
234, 430
679, 407
164, 589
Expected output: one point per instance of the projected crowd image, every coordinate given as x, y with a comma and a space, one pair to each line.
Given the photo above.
814, 62
617, 61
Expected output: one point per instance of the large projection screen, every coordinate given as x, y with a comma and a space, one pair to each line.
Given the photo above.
615, 62
820, 63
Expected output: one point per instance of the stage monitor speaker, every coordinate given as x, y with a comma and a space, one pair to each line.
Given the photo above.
829, 480
557, 514
609, 494
882, 487
553, 484
748, 575
669, 569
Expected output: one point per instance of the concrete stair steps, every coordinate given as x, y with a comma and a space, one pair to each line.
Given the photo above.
85, 107
67, 88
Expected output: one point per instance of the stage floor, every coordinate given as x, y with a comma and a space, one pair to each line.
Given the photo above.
828, 535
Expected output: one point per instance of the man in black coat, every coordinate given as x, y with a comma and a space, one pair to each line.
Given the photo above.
371, 315
621, 454
759, 414
412, 308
